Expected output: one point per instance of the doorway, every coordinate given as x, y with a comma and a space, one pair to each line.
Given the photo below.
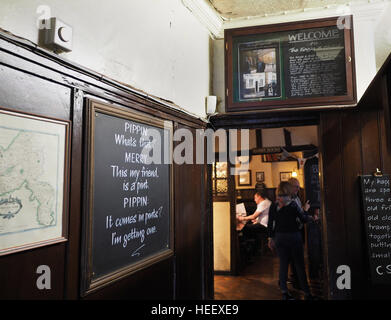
245, 268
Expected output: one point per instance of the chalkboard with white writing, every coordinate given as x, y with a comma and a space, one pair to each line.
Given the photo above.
314, 62
376, 201
311, 180
130, 192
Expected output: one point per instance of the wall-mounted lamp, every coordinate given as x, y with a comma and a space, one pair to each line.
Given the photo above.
294, 174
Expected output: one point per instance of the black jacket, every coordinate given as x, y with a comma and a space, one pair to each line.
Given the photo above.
285, 218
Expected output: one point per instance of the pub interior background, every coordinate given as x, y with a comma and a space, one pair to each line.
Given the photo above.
155, 61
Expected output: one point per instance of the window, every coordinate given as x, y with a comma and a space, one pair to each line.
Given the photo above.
220, 179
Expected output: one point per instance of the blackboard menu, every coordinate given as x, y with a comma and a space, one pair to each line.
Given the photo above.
314, 62
130, 195
376, 199
312, 185
303, 63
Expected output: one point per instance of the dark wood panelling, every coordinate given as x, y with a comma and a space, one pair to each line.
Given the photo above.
207, 230
385, 124
370, 142
188, 228
333, 219
18, 273
260, 120
353, 143
351, 154
153, 283
42, 83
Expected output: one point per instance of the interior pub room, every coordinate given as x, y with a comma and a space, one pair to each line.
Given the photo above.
195, 150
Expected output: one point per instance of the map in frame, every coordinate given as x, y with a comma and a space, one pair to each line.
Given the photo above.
32, 181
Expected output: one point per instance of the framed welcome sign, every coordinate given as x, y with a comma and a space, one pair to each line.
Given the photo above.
301, 64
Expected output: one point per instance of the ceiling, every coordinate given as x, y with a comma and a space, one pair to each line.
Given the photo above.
238, 9
219, 15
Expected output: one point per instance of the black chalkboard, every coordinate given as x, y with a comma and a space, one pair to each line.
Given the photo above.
312, 185
376, 200
130, 218
314, 62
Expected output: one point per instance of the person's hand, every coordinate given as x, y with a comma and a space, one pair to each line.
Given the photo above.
306, 205
241, 218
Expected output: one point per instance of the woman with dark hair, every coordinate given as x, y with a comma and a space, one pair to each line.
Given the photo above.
285, 237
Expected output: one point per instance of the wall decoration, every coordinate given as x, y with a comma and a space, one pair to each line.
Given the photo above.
376, 219
34, 161
260, 176
297, 64
129, 218
244, 178
285, 176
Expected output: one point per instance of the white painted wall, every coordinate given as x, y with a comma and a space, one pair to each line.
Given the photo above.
222, 236
157, 46
383, 36
372, 41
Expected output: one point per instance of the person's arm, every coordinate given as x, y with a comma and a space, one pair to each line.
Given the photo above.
270, 228
302, 215
271, 221
251, 216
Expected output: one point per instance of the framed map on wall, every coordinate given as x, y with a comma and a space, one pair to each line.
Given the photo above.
33, 181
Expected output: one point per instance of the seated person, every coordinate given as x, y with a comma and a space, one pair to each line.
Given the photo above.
259, 218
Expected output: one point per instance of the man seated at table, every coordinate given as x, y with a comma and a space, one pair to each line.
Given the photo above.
259, 218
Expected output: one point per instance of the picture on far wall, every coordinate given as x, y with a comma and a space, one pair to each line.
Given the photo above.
285, 176
260, 176
244, 178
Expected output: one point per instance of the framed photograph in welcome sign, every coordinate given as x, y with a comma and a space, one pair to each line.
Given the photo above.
34, 166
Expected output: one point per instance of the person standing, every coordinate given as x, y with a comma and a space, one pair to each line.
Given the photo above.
295, 184
295, 188
285, 237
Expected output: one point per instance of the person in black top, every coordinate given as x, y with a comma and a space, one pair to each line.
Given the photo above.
285, 237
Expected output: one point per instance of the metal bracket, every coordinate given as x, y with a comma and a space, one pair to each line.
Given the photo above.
378, 173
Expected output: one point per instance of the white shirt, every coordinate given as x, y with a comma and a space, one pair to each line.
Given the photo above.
263, 207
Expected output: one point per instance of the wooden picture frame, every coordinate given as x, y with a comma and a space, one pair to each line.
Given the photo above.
285, 176
244, 178
260, 176
264, 66
138, 256
34, 190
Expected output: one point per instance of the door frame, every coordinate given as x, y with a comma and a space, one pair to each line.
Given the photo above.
272, 120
